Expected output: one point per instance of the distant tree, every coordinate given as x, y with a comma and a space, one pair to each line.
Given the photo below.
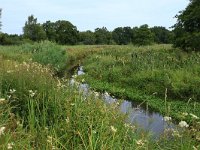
50, 29
33, 30
103, 36
87, 37
162, 35
12, 39
143, 35
66, 32
122, 35
187, 28
0, 18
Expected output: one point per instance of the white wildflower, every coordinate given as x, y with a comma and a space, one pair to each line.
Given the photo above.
2, 130
106, 93
10, 145
113, 129
32, 93
140, 142
167, 118
185, 114
183, 124
2, 100
67, 119
94, 131
49, 139
72, 104
12, 91
10, 71
96, 94
83, 80
74, 76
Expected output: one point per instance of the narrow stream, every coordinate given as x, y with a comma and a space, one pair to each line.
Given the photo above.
143, 118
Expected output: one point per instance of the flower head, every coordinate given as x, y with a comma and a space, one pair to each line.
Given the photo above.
2, 130
113, 129
10, 145
166, 118
32, 93
140, 142
2, 100
183, 124
12, 91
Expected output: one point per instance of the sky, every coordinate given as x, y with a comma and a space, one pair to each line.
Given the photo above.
91, 14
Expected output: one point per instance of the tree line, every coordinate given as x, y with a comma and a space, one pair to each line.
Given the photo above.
65, 33
185, 33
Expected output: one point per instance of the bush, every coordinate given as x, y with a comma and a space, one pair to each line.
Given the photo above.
47, 53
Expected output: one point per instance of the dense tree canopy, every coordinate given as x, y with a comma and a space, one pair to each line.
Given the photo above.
33, 30
87, 38
50, 29
66, 32
122, 35
162, 35
187, 28
143, 35
102, 35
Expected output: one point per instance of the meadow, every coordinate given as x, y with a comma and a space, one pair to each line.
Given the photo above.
39, 110
160, 76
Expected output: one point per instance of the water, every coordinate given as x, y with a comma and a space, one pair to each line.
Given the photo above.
144, 119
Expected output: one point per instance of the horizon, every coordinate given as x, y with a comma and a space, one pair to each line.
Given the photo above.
89, 15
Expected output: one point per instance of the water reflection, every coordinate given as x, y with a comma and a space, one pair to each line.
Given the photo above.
137, 115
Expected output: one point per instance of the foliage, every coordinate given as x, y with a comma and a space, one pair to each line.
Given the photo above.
122, 36
50, 29
144, 74
143, 35
162, 35
6, 39
187, 28
41, 112
47, 53
33, 31
66, 32
103, 36
38, 111
87, 37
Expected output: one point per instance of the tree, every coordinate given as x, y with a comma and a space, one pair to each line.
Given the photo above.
33, 30
87, 37
187, 28
162, 35
143, 35
103, 36
50, 29
66, 32
122, 36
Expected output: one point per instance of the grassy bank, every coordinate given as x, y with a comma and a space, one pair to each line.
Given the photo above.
41, 111
166, 79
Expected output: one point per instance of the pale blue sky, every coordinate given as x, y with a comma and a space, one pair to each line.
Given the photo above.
90, 14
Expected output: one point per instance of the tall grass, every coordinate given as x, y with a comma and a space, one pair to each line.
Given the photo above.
41, 112
144, 73
45, 53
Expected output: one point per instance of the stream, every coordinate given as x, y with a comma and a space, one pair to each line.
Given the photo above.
143, 118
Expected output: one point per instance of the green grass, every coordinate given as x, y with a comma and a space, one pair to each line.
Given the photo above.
145, 74
41, 111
